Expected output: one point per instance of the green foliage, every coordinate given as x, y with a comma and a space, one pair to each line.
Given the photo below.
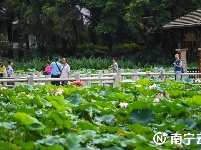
84, 47
96, 117
126, 50
5, 45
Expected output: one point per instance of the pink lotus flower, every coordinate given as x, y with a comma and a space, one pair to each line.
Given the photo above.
121, 89
156, 100
160, 95
151, 87
51, 89
167, 95
197, 80
123, 105
186, 86
59, 92
3, 88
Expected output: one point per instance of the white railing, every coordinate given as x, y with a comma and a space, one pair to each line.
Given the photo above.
89, 79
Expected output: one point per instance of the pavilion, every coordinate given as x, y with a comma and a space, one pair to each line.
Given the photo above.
188, 29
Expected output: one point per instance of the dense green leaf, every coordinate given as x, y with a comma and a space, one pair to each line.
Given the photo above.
143, 117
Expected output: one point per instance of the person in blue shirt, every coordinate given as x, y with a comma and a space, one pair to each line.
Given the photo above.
177, 64
56, 71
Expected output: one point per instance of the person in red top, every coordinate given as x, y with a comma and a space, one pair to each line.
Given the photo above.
48, 69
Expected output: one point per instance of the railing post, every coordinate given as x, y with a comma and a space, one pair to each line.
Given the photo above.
116, 80
132, 76
47, 77
119, 74
178, 76
135, 76
32, 74
30, 80
156, 76
89, 81
105, 71
148, 75
122, 77
100, 75
4, 76
23, 74
162, 74
38, 76
77, 76
16, 83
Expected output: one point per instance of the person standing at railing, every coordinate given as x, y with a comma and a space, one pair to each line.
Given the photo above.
177, 65
56, 71
2, 69
65, 73
114, 66
48, 69
10, 71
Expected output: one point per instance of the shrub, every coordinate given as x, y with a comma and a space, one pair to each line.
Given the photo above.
125, 49
82, 48
5, 45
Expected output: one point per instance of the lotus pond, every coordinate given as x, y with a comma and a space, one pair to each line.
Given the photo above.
99, 117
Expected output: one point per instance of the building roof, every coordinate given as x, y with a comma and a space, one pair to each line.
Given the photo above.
189, 20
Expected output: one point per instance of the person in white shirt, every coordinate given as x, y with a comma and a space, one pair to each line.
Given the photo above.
65, 71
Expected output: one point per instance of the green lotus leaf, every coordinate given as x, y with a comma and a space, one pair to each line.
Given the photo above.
7, 145
108, 118
27, 87
8, 125
190, 122
169, 103
35, 126
109, 129
75, 99
7, 92
106, 141
85, 125
139, 105
52, 147
25, 118
49, 140
121, 96
72, 144
58, 119
143, 117
143, 81
88, 134
194, 100
45, 102
26, 145
57, 105
113, 148
187, 80
138, 128
158, 108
